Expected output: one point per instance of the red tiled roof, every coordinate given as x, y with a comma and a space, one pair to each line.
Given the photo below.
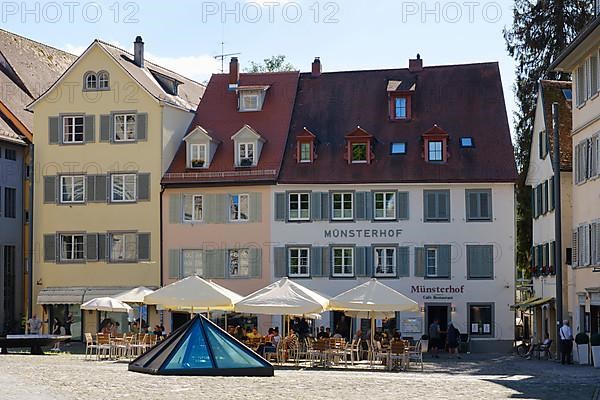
217, 113
467, 100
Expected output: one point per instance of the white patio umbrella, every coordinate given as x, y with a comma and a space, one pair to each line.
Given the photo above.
135, 296
107, 304
283, 297
195, 294
372, 299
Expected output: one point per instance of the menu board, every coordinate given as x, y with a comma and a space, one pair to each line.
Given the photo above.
412, 325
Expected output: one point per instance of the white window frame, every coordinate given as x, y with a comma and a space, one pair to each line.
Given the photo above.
72, 254
123, 177
384, 257
246, 146
197, 255
352, 160
103, 80
343, 266
396, 108
309, 159
431, 151
126, 237
384, 217
300, 257
247, 96
235, 215
298, 196
342, 204
126, 136
433, 267
230, 263
89, 83
71, 137
69, 182
195, 152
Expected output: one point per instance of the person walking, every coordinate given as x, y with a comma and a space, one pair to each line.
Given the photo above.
452, 339
434, 337
35, 325
566, 342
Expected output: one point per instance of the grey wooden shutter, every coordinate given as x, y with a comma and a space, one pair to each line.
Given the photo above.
420, 261
480, 261
175, 210
444, 258
215, 265
280, 206
221, 263
174, 263
50, 189
279, 262
105, 128
254, 262
143, 246
444, 204
143, 186
326, 261
91, 244
551, 194
90, 186
403, 262
50, 248
315, 206
89, 126
53, 130
368, 206
429, 208
545, 197
360, 211
369, 261
222, 208
316, 261
255, 207
325, 206
402, 205
552, 262
141, 126
360, 260
101, 189
102, 246
208, 208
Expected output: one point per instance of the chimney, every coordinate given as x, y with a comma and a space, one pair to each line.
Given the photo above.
415, 64
234, 71
138, 52
316, 67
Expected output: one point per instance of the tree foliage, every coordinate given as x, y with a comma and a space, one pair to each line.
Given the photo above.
541, 30
276, 63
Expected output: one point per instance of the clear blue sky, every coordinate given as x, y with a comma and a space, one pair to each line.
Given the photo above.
349, 34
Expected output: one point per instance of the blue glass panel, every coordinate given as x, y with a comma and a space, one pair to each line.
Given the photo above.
466, 142
398, 148
568, 94
226, 352
193, 352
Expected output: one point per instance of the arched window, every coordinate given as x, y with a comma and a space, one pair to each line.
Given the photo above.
91, 81
103, 81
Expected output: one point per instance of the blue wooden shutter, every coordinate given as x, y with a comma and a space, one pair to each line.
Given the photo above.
280, 206
315, 206
316, 261
402, 209
359, 206
325, 206
360, 260
368, 206
403, 262
420, 261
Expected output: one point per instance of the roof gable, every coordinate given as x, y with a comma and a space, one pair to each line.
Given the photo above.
200, 133
359, 133
246, 132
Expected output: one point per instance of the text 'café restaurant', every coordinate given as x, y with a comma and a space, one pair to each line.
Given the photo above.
383, 178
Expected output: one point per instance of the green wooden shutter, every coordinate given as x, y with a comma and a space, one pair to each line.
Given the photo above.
539, 200
54, 130
403, 262
547, 256
420, 261
50, 189
141, 126
90, 128
175, 211
551, 194
175, 264
480, 261
325, 207
143, 246
279, 262
255, 207
102, 246
280, 206
360, 260
143, 187
105, 128
402, 211
91, 247
50, 248
209, 208
255, 262
444, 261
545, 197
553, 258
215, 263
315, 206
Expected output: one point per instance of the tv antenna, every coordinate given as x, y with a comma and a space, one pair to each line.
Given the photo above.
222, 56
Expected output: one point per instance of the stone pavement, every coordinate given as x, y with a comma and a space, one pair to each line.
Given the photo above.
65, 377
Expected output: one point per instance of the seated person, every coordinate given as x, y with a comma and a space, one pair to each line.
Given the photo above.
327, 333
321, 334
537, 346
337, 335
276, 338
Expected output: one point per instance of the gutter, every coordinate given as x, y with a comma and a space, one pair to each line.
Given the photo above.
30, 238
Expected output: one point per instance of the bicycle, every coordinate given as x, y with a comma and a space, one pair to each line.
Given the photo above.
521, 346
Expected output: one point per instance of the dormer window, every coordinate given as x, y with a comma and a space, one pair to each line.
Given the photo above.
246, 154
200, 148
400, 99
251, 98
358, 147
305, 146
435, 143
305, 152
197, 155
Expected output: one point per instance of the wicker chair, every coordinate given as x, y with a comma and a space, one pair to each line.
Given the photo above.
398, 355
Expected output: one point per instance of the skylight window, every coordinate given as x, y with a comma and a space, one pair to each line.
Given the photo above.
568, 94
466, 142
399, 148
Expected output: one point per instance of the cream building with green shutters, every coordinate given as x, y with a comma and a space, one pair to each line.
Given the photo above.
105, 133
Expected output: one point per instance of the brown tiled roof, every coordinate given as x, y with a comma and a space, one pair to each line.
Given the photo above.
552, 91
218, 114
466, 100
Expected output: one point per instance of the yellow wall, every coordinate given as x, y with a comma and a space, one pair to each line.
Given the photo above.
99, 157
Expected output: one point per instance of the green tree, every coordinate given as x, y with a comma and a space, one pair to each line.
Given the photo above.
276, 63
540, 31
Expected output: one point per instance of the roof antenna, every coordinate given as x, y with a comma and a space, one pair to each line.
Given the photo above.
223, 56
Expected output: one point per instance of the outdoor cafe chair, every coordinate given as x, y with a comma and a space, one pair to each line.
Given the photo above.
376, 352
416, 355
398, 355
90, 345
353, 350
319, 355
104, 346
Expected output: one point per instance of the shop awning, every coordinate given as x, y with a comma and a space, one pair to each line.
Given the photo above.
530, 303
76, 294
541, 302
